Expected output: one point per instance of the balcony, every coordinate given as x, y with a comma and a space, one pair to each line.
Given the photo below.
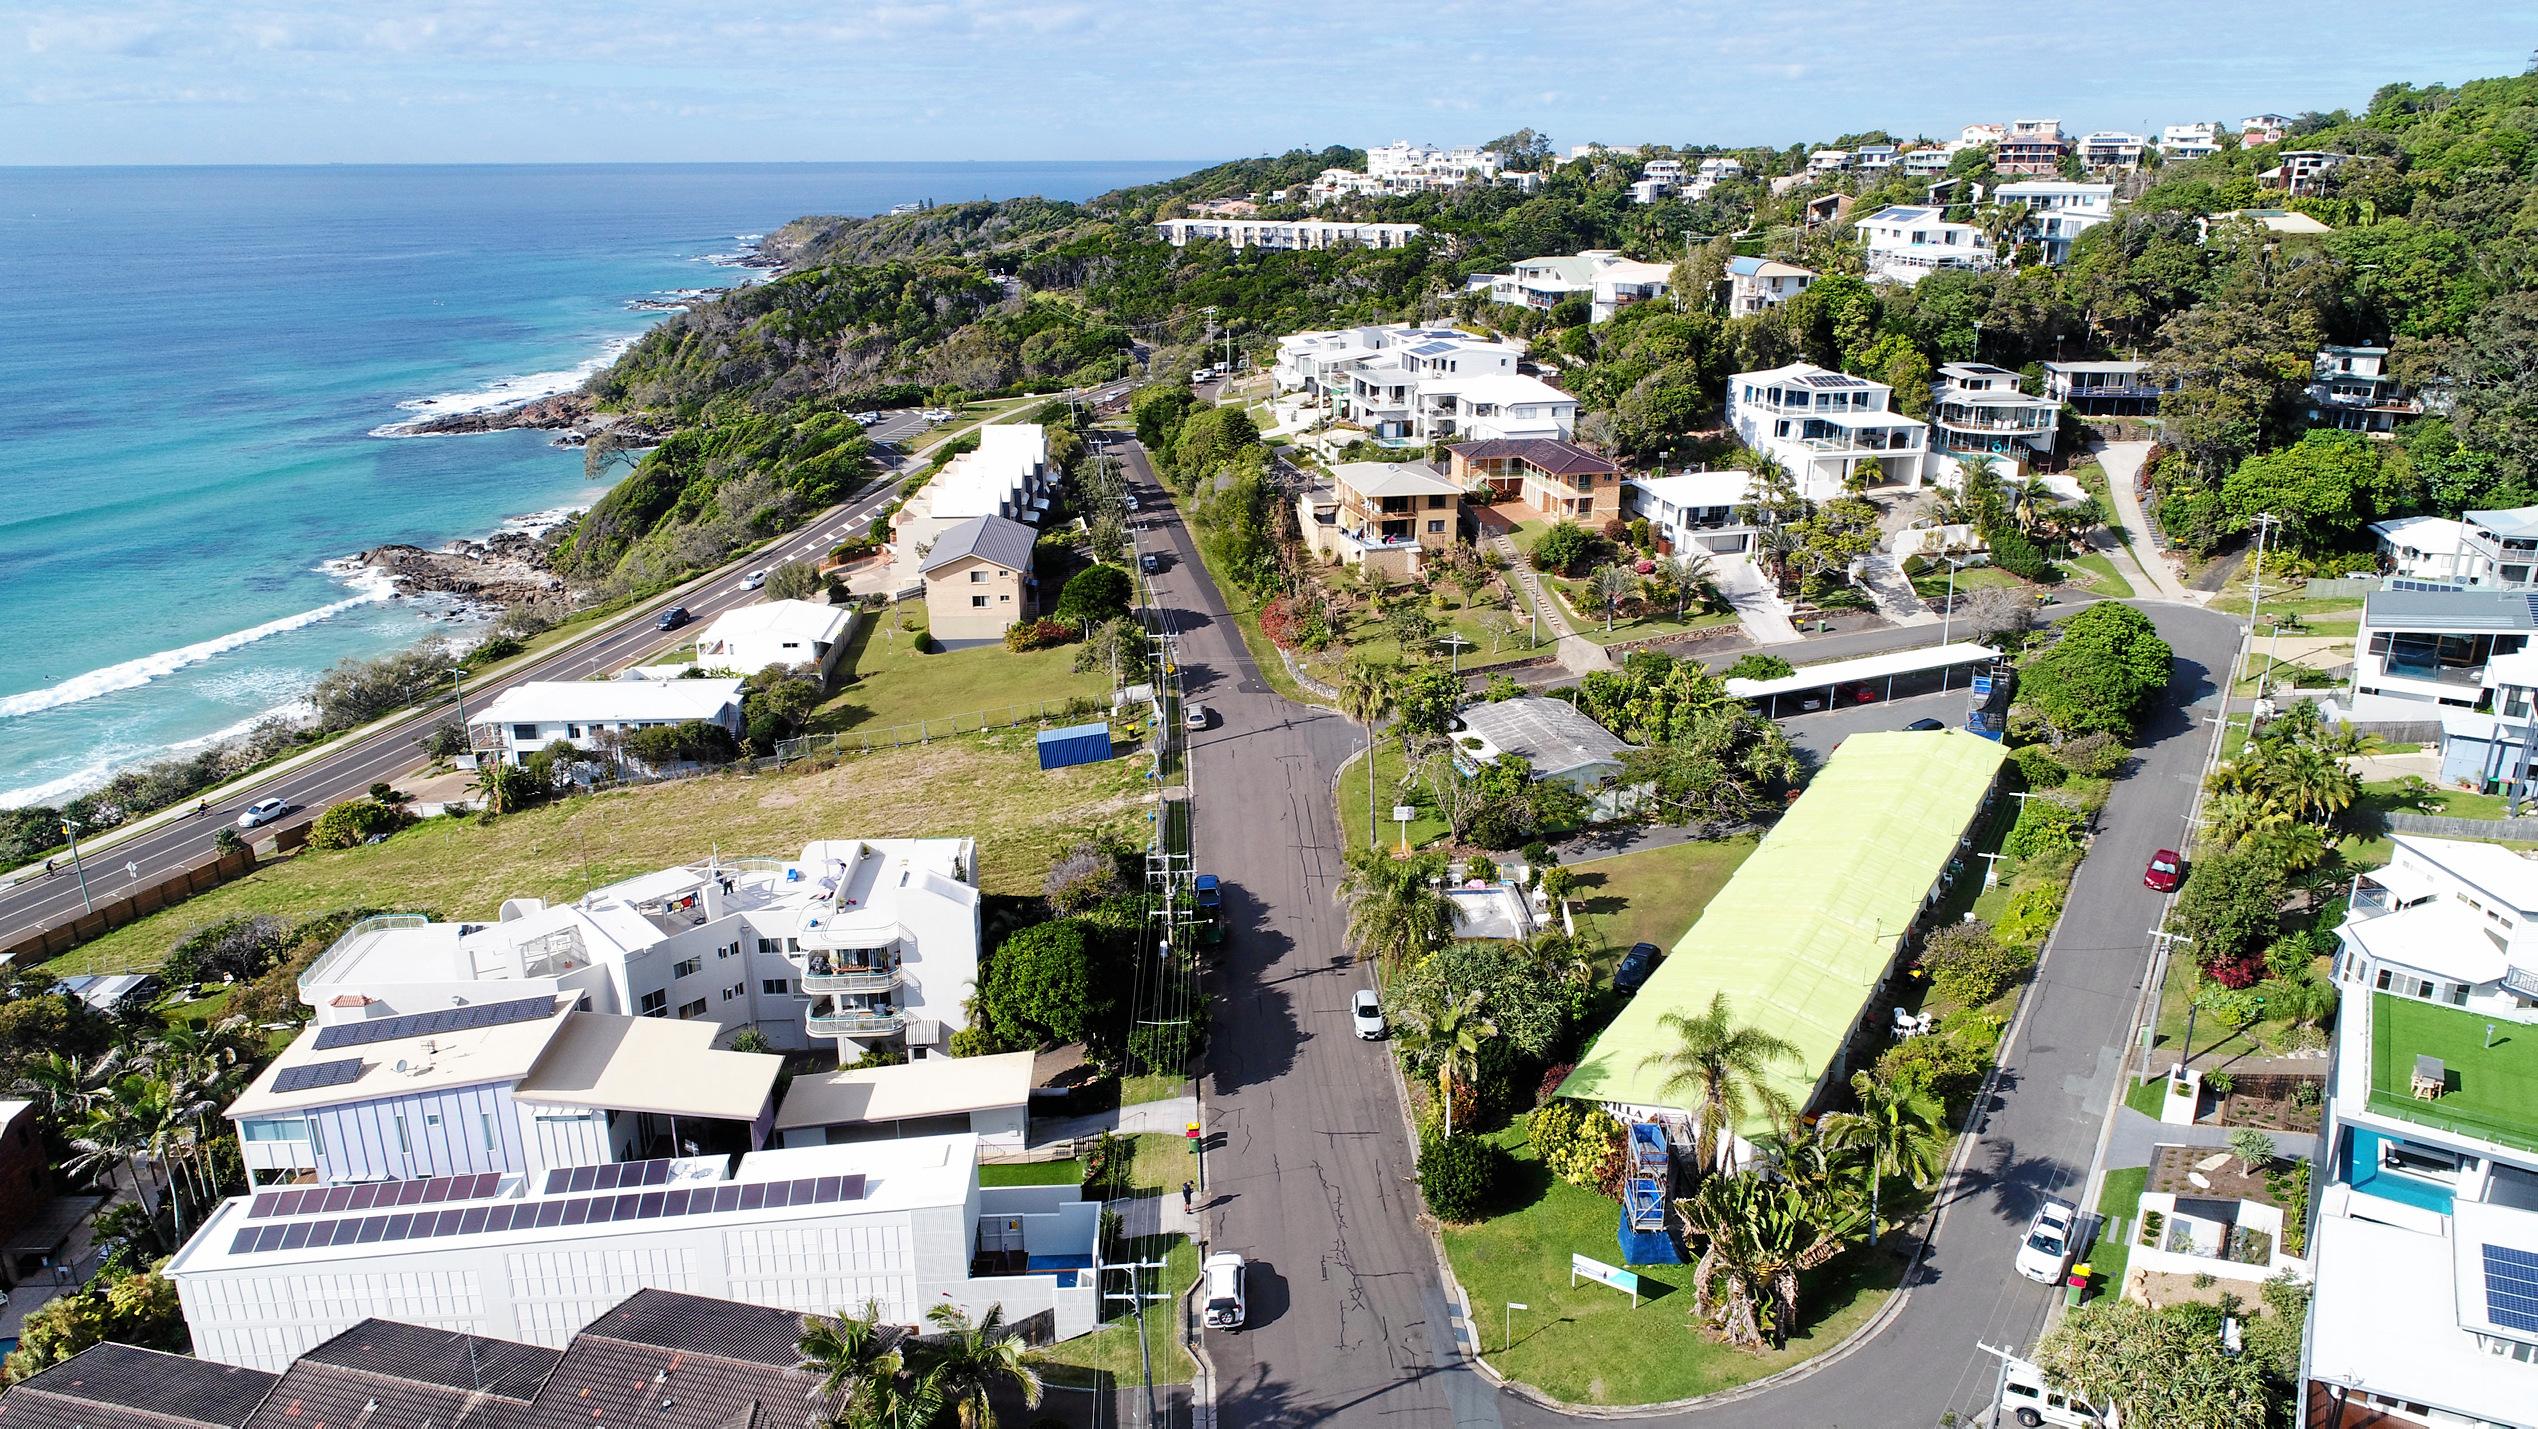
852, 980
861, 1023
2033, 421
344, 948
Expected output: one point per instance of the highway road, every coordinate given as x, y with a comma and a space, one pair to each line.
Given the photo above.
350, 766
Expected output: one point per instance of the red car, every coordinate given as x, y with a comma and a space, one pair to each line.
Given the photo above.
2164, 871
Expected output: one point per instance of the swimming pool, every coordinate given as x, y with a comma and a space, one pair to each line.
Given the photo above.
2364, 1174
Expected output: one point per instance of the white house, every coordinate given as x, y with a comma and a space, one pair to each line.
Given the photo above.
1977, 408
1828, 161
589, 714
2190, 141
2427, 548
1929, 161
1504, 407
2351, 389
1694, 510
2302, 171
2058, 212
1408, 385
2111, 149
1905, 245
1824, 427
1603, 276
2418, 648
2426, 1244
1754, 284
791, 633
2263, 129
855, 944
1710, 174
1286, 233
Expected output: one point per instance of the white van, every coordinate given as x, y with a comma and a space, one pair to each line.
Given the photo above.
2026, 1399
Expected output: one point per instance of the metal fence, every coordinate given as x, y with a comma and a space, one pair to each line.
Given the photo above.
2441, 826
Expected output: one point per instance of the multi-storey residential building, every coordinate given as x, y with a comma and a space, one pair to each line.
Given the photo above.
1286, 233
1657, 179
1828, 161
594, 716
2103, 389
1411, 166
1555, 478
2111, 149
2433, 646
1930, 161
1754, 284
1979, 409
1511, 407
1905, 245
1826, 428
2423, 548
2058, 212
2031, 146
2350, 390
1007, 476
1874, 158
2190, 141
2425, 1309
2499, 549
1710, 175
1609, 282
856, 944
1695, 510
1381, 517
1413, 385
1976, 135
2302, 172
978, 581
2263, 129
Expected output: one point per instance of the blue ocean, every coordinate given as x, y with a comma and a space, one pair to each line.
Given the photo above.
194, 361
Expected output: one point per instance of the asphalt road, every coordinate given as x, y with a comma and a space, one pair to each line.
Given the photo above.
351, 766
1309, 1175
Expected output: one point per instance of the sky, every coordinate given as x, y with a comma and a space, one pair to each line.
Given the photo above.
484, 81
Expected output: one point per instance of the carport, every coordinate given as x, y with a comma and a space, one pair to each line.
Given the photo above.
1866, 670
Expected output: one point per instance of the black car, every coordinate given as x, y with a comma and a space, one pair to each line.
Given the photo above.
1636, 964
674, 617
1927, 724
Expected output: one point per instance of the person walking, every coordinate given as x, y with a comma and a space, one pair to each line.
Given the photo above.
1186, 1189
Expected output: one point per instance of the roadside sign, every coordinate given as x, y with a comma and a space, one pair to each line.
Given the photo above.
1602, 1274
1404, 813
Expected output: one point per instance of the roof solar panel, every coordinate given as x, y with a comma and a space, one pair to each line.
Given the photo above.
2511, 1288
426, 1024
313, 1075
622, 1205
339, 1200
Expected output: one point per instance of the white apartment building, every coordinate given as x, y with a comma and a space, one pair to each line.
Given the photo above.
1402, 167
1286, 233
2426, 1244
2492, 550
1008, 476
791, 633
1904, 244
2417, 648
1823, 427
2190, 141
1408, 386
2302, 171
1873, 158
2058, 212
1754, 284
1659, 178
1710, 174
2263, 129
1513, 407
2111, 149
1609, 282
1695, 510
1929, 161
856, 944
1828, 161
591, 715
1977, 408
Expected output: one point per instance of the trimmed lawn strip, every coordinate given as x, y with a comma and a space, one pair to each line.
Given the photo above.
1111, 1351
989, 787
1933, 585
892, 685
1428, 828
2104, 579
2119, 1213
1031, 1173
1584, 1343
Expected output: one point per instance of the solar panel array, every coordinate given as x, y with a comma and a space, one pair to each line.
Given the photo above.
313, 1075
370, 1195
543, 1214
426, 1024
615, 1175
2511, 1288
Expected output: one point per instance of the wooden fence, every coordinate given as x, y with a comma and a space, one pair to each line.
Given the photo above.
116, 901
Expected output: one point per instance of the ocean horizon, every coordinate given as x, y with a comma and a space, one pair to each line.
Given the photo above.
207, 364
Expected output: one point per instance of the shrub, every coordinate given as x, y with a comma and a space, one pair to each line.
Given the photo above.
1758, 667
2045, 824
1565, 549
1580, 1144
1969, 967
2236, 971
2233, 1006
2029, 918
2038, 767
2093, 756
1107, 1166
1949, 1068
1552, 1076
2220, 1084
1037, 635
355, 822
1461, 1176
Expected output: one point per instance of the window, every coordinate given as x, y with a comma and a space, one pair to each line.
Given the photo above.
734, 991
1436, 528
977, 602
525, 733
769, 947
572, 731
776, 986
485, 1120
279, 1129
656, 1004
686, 967
978, 576
722, 953
692, 1009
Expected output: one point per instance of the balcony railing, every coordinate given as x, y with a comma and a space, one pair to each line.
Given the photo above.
2037, 422
852, 980
853, 1024
330, 962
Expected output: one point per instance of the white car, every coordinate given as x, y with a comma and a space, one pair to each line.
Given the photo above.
1194, 716
2047, 1248
1225, 1300
262, 812
753, 580
1367, 1013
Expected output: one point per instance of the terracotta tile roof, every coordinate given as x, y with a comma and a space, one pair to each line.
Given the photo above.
1541, 453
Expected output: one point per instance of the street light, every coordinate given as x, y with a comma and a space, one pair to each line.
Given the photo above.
71, 832
1947, 616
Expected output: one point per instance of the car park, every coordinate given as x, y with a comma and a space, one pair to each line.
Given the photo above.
1367, 1013
1636, 964
1226, 1303
262, 812
2047, 1248
2165, 872
674, 617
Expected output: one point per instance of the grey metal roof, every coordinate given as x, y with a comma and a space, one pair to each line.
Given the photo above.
2454, 610
1552, 735
109, 1385
990, 538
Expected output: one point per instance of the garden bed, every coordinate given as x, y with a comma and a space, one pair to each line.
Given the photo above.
2272, 1103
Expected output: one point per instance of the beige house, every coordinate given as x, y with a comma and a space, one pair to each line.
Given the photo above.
978, 580
1380, 516
1552, 477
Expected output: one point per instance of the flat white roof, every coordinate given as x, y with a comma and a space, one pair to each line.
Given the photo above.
937, 1086
2442, 938
402, 1067
1699, 488
1503, 388
2386, 1315
2500, 873
653, 1064
1866, 667
780, 619
610, 701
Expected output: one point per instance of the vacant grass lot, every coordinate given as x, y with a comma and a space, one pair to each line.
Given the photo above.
1654, 896
1428, 827
1585, 1343
893, 685
989, 787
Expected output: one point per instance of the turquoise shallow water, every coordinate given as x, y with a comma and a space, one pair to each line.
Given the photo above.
193, 362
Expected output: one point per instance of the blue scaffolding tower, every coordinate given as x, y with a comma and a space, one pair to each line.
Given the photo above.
1647, 1190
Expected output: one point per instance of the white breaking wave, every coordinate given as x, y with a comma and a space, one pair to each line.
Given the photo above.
133, 674
509, 392
89, 776
78, 781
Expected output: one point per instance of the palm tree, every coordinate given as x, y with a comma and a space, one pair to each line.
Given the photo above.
1725, 1065
1609, 584
1757, 1237
1685, 574
1453, 1032
63, 1084
2024, 496
974, 1359
1396, 912
1365, 695
1778, 546
1899, 1130
857, 1361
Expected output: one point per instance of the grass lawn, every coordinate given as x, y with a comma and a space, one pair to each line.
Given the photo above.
1162, 1163
1112, 1350
989, 787
2147, 1097
2492, 1069
1428, 828
1585, 1343
894, 685
2119, 1209
1136, 1090
1031, 1173
1586, 616
2234, 602
2101, 576
1654, 896
1933, 585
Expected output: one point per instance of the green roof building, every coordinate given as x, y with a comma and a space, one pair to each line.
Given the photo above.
1810, 926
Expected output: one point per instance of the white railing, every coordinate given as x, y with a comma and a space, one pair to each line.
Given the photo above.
858, 980
326, 966
853, 1024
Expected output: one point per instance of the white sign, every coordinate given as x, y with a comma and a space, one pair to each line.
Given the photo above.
1602, 1274
1404, 813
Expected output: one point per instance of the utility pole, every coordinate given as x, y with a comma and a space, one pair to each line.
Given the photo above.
2167, 942
2255, 596
69, 831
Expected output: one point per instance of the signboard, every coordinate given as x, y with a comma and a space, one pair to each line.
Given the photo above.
1602, 1274
1404, 813
1982, 686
